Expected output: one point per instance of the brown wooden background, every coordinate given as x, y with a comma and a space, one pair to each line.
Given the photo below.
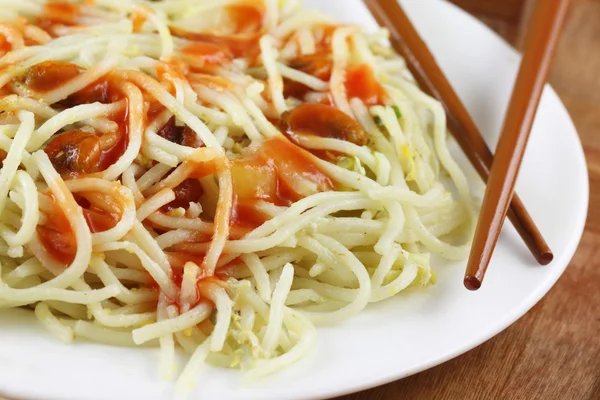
553, 352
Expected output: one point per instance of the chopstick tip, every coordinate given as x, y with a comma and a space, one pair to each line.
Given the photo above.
472, 283
546, 258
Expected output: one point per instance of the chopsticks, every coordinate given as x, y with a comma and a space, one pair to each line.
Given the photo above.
546, 24
432, 80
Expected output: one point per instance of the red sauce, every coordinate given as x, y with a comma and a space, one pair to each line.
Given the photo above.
188, 191
276, 171
323, 121
318, 65
325, 43
200, 170
138, 20
248, 18
216, 83
3, 155
182, 135
168, 72
178, 259
253, 180
112, 154
245, 215
206, 53
105, 90
98, 219
77, 152
154, 108
362, 83
49, 75
56, 235
60, 245
74, 152
58, 13
293, 163
5, 46
237, 45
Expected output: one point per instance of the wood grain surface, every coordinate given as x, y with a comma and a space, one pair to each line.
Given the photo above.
553, 352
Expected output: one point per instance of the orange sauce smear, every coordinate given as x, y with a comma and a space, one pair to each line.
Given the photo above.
177, 260
74, 153
57, 236
138, 19
5, 46
49, 75
362, 83
105, 90
270, 175
318, 65
58, 13
207, 54
188, 191
248, 18
237, 46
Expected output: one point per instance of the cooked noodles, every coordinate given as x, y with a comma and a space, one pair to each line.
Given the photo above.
218, 175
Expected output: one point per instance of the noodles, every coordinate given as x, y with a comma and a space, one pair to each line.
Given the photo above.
219, 176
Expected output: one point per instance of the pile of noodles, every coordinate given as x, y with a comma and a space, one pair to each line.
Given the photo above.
112, 111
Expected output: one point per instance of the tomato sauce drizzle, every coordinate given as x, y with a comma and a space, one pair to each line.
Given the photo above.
362, 83
315, 119
182, 135
56, 235
207, 54
248, 18
77, 152
188, 191
58, 13
318, 65
138, 19
238, 46
5, 46
48, 75
104, 90
275, 172
177, 261
219, 48
98, 219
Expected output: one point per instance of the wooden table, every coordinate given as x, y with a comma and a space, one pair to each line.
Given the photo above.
553, 352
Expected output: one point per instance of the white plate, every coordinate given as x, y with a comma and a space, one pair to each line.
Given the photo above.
400, 337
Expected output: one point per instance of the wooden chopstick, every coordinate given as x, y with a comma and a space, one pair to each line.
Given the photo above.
546, 24
407, 42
